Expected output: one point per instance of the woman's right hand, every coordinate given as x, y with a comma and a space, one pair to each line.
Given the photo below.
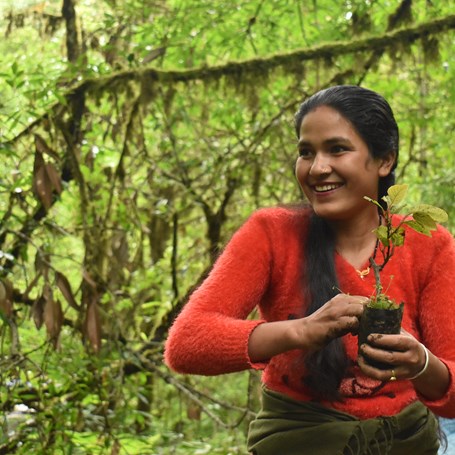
339, 316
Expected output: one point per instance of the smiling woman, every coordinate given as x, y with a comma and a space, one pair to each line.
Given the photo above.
335, 166
299, 266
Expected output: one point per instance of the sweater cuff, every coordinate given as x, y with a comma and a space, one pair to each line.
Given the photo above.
255, 365
445, 406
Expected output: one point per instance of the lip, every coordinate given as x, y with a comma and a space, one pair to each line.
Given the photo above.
326, 187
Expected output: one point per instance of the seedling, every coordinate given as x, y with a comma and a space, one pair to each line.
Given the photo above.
422, 218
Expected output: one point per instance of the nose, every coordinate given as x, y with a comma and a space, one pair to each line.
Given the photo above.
320, 165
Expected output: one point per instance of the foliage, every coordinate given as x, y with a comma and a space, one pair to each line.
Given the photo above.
135, 137
422, 218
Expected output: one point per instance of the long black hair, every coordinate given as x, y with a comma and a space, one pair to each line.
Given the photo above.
373, 119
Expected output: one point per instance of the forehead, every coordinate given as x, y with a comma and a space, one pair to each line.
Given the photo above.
326, 121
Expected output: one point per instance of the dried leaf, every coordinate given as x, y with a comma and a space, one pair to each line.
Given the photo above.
46, 179
65, 288
42, 186
193, 411
53, 319
42, 264
38, 312
86, 276
47, 291
93, 326
42, 147
38, 163
6, 298
54, 177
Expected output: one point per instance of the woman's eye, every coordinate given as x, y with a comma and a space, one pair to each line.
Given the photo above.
338, 149
304, 153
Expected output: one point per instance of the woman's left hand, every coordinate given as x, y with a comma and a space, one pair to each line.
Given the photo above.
405, 355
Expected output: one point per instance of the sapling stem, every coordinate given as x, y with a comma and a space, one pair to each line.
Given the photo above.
423, 218
377, 277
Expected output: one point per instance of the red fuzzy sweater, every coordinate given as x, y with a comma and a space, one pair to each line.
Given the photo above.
261, 267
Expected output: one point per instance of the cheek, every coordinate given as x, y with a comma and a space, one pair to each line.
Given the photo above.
300, 171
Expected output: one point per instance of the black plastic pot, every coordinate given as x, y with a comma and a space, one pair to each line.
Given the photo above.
376, 320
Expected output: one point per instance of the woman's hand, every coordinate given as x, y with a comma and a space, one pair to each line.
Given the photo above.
405, 355
339, 316
335, 318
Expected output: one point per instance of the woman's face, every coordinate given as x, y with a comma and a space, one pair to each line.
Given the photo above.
335, 169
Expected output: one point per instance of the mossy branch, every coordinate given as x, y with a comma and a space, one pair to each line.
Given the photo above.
236, 71
257, 66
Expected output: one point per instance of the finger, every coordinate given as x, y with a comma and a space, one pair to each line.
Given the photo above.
394, 342
359, 299
376, 373
388, 357
352, 299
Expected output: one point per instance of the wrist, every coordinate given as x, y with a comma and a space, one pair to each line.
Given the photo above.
299, 334
425, 365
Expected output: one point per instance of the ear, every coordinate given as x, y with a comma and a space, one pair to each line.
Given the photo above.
386, 164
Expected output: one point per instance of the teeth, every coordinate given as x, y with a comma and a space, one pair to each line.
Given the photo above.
326, 187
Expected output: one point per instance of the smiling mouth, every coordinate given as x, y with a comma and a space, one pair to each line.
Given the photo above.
328, 187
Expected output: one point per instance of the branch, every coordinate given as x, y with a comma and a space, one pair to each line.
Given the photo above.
259, 66
281, 60
72, 44
194, 395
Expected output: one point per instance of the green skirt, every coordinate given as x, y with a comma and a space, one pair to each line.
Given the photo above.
289, 427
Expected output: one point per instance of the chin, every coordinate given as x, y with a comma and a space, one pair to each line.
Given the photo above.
329, 214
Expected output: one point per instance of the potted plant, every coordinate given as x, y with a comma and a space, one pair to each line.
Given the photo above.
382, 314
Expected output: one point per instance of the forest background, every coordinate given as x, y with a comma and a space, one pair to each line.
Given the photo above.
135, 137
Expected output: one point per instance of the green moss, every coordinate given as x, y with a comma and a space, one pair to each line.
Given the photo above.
383, 302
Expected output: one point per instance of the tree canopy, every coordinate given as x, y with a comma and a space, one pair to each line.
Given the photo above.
135, 137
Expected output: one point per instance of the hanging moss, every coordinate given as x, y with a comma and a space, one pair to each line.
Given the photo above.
168, 98
245, 76
402, 16
361, 20
431, 49
148, 87
258, 69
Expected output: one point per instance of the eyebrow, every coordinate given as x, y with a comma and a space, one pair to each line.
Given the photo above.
332, 140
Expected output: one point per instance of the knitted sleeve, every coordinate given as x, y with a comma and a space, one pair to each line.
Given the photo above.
210, 335
437, 313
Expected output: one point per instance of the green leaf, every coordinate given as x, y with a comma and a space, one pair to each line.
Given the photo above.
418, 227
397, 193
386, 199
397, 208
372, 201
398, 237
381, 234
425, 219
437, 214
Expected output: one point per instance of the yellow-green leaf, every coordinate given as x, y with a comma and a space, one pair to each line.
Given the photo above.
372, 201
397, 208
397, 193
425, 219
418, 227
438, 215
381, 234
398, 238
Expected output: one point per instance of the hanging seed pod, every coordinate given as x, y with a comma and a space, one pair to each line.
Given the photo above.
6, 298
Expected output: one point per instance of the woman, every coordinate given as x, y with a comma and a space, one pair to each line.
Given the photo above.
306, 269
